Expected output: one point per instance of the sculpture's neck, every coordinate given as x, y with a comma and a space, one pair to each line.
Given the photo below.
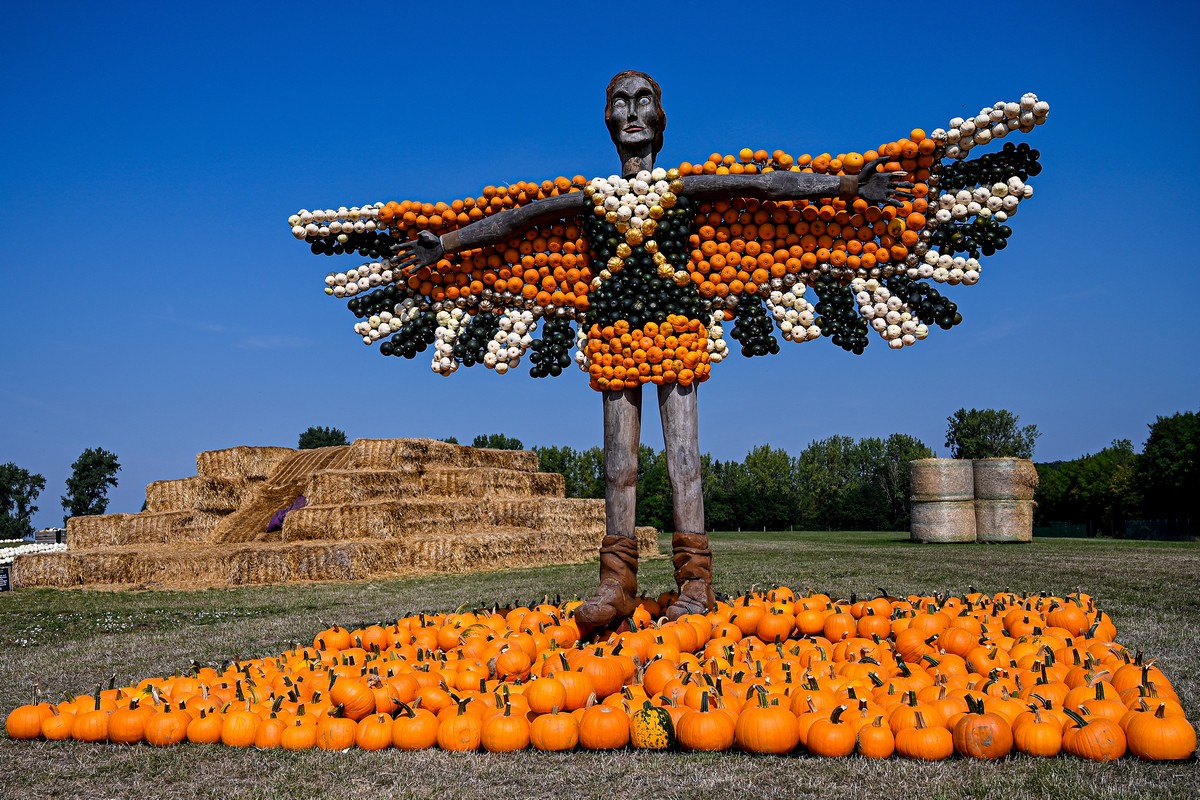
635, 161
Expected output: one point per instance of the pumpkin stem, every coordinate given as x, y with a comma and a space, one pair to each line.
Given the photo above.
1079, 720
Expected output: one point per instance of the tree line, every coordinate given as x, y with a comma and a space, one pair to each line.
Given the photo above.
834, 483
92, 474
1109, 488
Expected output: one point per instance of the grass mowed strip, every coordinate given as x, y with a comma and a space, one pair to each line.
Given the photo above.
74, 640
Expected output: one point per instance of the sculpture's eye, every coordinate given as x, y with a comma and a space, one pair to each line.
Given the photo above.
618, 103
644, 101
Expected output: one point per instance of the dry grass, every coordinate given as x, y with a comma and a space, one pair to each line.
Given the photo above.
72, 640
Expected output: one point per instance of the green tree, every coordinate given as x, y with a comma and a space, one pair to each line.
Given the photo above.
449, 440
828, 476
87, 489
989, 433
557, 459
589, 472
1098, 489
18, 489
766, 490
578, 469
1105, 486
1055, 502
719, 479
316, 437
654, 490
497, 441
1168, 472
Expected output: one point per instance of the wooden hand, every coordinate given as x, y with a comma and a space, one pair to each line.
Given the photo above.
424, 251
882, 187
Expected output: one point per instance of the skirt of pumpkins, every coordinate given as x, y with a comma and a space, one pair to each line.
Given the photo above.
979, 676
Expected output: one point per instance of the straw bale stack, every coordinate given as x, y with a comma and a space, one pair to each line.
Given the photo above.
273, 562
1004, 489
377, 507
943, 500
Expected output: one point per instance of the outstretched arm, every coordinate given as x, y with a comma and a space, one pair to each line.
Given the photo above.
427, 248
875, 187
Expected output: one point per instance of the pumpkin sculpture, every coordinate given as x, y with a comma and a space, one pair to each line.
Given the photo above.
641, 270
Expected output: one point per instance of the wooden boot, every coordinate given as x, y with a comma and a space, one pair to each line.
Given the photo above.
693, 573
616, 598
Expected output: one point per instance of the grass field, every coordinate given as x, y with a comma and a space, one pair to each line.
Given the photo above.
73, 640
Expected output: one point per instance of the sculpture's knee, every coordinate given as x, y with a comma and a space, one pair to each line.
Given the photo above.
620, 470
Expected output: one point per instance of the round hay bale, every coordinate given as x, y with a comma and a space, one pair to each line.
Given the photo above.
1004, 479
999, 521
942, 480
935, 521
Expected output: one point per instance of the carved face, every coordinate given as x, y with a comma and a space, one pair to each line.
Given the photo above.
634, 112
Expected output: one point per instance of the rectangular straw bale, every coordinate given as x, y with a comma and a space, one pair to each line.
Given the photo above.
386, 519
298, 468
490, 481
647, 541
163, 527
217, 495
342, 486
429, 453
45, 569
492, 550
241, 463
568, 514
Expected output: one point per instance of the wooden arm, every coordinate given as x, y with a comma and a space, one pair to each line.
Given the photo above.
507, 224
779, 185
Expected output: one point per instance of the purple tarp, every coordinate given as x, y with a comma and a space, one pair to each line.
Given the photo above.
276, 523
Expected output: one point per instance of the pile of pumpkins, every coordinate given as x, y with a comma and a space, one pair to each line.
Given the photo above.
922, 677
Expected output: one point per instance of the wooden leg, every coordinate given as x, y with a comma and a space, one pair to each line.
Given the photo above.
677, 407
622, 434
689, 545
615, 598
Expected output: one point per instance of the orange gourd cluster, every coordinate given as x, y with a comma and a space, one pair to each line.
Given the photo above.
674, 352
919, 677
548, 265
740, 244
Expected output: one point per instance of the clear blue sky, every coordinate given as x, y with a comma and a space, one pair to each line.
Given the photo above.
156, 304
